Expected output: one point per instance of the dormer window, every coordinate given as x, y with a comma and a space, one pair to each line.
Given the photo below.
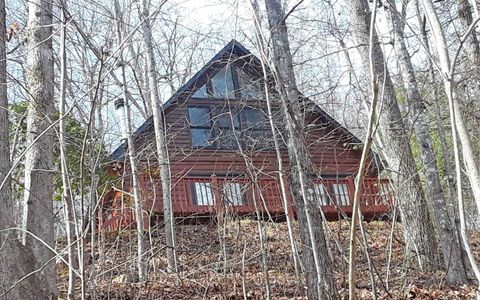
231, 82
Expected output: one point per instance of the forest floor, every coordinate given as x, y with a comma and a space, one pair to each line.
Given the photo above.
213, 267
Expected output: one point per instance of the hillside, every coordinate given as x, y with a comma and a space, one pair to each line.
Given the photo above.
206, 273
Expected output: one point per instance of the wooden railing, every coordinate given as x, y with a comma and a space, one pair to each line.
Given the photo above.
209, 195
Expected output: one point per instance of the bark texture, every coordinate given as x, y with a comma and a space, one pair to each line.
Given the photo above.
419, 233
469, 159
316, 261
445, 227
38, 216
160, 140
15, 259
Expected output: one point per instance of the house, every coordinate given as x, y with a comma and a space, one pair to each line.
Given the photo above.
222, 155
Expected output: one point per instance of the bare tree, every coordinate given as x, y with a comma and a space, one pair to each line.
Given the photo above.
16, 260
320, 282
419, 233
38, 215
160, 139
124, 105
445, 227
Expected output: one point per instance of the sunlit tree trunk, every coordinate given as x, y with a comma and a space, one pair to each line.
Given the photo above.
419, 233
469, 159
15, 259
316, 261
160, 140
38, 217
445, 227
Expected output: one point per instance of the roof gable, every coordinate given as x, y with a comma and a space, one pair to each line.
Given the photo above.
232, 52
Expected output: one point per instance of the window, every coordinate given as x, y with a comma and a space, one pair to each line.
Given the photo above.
201, 92
202, 193
225, 128
340, 190
231, 82
222, 84
319, 193
226, 123
234, 193
200, 125
249, 87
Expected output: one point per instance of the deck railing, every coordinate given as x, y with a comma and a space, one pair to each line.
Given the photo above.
209, 195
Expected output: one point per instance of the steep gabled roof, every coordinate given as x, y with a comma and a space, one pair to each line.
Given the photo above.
232, 49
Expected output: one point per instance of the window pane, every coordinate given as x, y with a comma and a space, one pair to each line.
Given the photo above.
201, 92
341, 194
201, 137
249, 87
203, 193
199, 116
318, 193
253, 118
225, 118
234, 193
227, 139
258, 139
222, 84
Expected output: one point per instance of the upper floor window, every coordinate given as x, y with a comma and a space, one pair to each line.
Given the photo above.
222, 127
231, 82
200, 125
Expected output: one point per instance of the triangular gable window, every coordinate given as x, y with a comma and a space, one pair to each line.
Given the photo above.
231, 82
248, 86
222, 84
201, 92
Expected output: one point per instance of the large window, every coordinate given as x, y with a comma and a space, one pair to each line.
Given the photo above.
222, 127
200, 125
231, 82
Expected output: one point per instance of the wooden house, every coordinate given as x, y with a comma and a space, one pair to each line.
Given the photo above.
222, 155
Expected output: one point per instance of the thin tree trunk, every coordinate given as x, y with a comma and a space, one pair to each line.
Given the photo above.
445, 228
125, 107
470, 161
318, 264
160, 140
66, 195
363, 165
418, 231
281, 172
38, 217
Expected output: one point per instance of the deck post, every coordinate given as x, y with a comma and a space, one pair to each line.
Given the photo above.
351, 190
218, 205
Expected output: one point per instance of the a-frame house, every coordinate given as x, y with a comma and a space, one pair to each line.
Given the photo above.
222, 155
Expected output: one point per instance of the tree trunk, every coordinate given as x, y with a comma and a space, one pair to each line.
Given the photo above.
419, 233
470, 161
445, 228
15, 259
160, 140
316, 261
127, 127
38, 215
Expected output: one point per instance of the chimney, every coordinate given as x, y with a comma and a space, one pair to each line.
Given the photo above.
121, 114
